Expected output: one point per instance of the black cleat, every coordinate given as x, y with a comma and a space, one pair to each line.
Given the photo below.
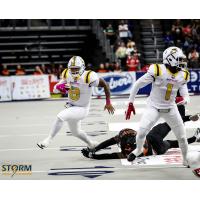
131, 157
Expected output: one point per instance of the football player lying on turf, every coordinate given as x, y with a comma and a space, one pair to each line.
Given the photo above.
154, 143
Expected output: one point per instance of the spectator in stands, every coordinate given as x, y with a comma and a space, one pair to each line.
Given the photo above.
145, 68
38, 71
20, 71
123, 31
187, 31
130, 47
177, 31
60, 70
187, 45
110, 33
133, 62
196, 30
117, 67
5, 71
44, 69
102, 68
108, 67
168, 39
193, 58
89, 66
121, 55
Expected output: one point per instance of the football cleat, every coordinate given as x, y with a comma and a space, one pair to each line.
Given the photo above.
44, 144
196, 172
197, 135
131, 157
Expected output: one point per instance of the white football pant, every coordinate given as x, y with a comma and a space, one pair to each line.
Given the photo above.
73, 115
174, 120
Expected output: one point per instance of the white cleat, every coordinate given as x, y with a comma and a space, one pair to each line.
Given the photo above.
45, 143
197, 135
185, 163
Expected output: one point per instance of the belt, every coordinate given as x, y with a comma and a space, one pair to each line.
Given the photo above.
164, 110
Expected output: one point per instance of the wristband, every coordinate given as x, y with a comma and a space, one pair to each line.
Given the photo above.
108, 101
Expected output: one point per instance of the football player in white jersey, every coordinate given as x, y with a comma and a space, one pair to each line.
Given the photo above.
166, 79
78, 83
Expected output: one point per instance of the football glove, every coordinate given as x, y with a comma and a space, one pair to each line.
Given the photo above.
63, 88
130, 109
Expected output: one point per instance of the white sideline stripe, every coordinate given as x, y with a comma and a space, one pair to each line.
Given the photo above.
23, 125
134, 125
131, 167
118, 126
31, 135
122, 111
137, 102
29, 149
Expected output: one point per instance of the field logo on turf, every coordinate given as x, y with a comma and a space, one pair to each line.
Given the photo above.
16, 169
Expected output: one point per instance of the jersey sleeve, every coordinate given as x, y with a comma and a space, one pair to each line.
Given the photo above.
140, 83
183, 90
93, 79
151, 71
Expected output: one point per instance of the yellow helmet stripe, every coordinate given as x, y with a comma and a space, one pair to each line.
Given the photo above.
73, 60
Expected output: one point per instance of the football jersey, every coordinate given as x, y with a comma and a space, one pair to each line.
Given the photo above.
165, 85
80, 91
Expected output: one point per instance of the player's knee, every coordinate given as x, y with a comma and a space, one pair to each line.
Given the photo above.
142, 133
182, 140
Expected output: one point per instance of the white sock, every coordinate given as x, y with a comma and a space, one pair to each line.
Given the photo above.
56, 127
140, 139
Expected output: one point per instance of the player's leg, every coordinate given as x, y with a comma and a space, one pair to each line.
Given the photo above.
175, 121
195, 138
54, 130
75, 128
150, 116
77, 113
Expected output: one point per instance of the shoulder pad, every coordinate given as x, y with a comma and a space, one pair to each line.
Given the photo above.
65, 74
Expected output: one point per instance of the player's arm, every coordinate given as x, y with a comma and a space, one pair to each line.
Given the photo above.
104, 156
105, 144
140, 83
62, 86
183, 90
108, 105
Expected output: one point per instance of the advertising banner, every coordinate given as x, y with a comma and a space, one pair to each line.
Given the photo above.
30, 87
119, 83
5, 89
194, 83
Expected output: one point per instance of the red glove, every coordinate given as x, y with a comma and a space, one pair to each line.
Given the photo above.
180, 100
62, 88
129, 110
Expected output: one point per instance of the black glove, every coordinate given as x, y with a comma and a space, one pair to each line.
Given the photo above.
87, 153
131, 157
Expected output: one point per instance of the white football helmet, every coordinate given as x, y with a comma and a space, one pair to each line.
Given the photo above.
76, 66
174, 57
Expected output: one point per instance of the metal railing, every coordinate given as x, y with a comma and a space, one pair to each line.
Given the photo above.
104, 42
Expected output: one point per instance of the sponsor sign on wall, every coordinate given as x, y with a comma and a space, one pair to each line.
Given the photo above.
194, 83
119, 83
5, 89
30, 87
